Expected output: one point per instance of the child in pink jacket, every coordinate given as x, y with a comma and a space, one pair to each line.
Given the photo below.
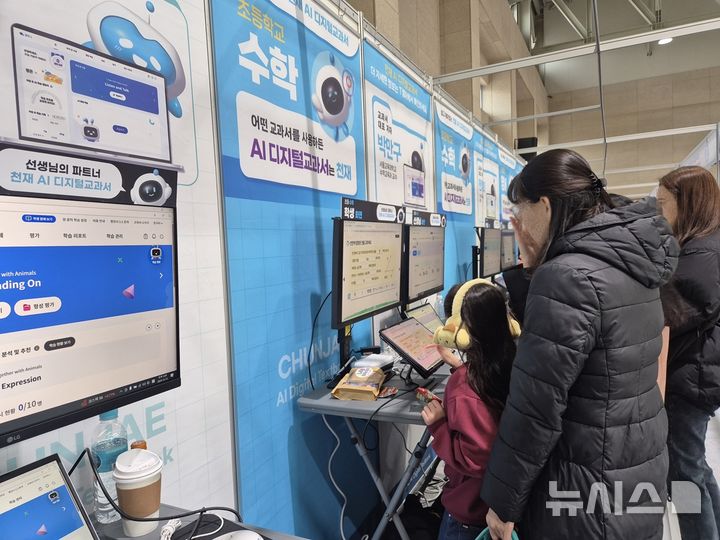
464, 426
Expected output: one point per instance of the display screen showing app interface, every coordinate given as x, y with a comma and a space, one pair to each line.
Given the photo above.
508, 250
371, 267
72, 96
412, 338
38, 504
491, 252
426, 316
414, 186
427, 261
87, 304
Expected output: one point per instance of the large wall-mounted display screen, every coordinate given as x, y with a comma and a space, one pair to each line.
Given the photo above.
74, 96
88, 309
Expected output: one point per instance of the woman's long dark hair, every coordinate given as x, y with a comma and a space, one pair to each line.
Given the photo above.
575, 192
698, 202
492, 349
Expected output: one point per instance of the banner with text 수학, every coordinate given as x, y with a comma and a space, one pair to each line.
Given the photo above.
454, 166
399, 134
454, 160
291, 137
289, 98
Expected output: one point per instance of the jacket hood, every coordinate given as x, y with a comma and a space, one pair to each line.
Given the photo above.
633, 238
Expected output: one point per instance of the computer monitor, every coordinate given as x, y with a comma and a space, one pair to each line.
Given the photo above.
509, 250
489, 260
39, 501
88, 310
411, 339
367, 265
427, 316
414, 181
425, 262
70, 95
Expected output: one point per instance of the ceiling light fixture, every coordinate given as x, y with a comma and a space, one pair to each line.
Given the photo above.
665, 41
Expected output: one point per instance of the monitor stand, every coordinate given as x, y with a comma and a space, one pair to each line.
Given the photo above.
427, 383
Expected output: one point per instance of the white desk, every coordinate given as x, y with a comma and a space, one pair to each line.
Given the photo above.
114, 531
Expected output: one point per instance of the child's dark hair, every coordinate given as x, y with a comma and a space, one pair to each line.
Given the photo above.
447, 304
492, 349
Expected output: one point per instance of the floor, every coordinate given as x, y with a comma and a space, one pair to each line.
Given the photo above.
712, 444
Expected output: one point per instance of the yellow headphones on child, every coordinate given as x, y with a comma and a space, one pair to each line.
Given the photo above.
454, 334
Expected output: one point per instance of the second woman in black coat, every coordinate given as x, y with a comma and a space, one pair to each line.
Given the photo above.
689, 198
581, 448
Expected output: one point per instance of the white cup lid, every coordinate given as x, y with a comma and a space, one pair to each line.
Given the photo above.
136, 463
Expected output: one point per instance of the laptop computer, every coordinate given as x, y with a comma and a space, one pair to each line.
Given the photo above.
39, 501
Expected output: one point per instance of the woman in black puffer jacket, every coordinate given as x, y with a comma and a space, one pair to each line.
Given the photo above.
689, 198
581, 449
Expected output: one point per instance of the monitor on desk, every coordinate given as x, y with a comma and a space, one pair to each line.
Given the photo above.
88, 310
39, 501
508, 250
490, 259
427, 316
425, 262
411, 339
367, 264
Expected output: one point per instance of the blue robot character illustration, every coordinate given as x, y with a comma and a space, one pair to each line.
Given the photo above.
465, 164
332, 100
151, 189
90, 131
119, 32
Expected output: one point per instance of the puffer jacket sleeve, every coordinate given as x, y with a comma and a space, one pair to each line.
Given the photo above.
562, 320
697, 279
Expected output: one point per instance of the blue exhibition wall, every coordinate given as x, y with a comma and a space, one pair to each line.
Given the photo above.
456, 170
288, 156
291, 80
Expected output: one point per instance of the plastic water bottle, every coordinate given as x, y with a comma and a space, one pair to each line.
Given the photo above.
440, 306
109, 441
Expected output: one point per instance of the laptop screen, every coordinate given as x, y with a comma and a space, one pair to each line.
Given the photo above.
38, 502
426, 316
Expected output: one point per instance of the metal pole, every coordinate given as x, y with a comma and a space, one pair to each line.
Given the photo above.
645, 12
581, 50
362, 450
543, 115
625, 138
570, 17
399, 495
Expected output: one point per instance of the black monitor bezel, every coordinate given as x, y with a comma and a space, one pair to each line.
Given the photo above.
12, 436
405, 278
337, 257
55, 458
482, 271
22, 137
421, 370
506, 233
